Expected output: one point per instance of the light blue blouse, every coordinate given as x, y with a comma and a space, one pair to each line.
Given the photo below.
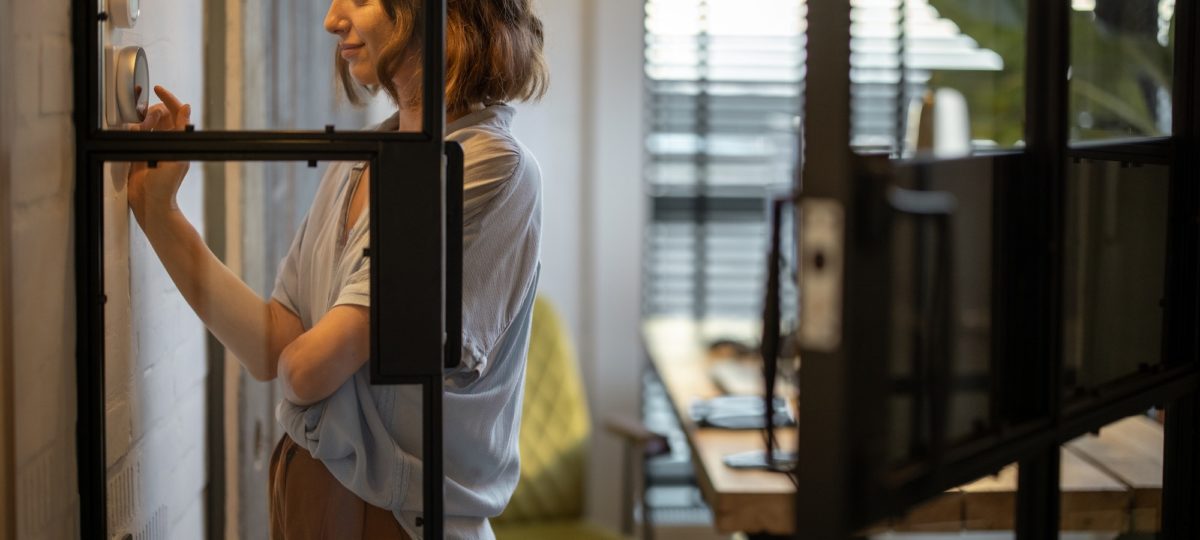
369, 437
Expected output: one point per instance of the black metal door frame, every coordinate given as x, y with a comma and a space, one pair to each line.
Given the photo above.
844, 486
1181, 452
413, 275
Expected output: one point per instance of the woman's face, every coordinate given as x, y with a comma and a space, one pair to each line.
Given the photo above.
362, 28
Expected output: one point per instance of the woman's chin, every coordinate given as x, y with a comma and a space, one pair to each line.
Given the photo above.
362, 77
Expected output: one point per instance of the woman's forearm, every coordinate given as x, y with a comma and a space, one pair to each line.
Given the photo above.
253, 330
315, 364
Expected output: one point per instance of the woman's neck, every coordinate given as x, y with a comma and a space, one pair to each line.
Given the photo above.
409, 119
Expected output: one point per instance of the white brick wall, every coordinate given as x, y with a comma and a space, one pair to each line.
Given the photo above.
156, 361
39, 248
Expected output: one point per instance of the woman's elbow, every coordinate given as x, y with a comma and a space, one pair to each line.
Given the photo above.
266, 372
300, 384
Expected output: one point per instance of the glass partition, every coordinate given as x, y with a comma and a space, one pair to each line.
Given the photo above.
211, 245
194, 415
941, 372
937, 88
1122, 68
962, 309
937, 78
1114, 272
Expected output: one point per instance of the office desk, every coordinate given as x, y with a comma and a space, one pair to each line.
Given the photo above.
1110, 483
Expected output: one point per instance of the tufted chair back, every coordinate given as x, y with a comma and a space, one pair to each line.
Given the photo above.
554, 427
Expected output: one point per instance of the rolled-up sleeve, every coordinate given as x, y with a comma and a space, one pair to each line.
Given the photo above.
287, 281
356, 287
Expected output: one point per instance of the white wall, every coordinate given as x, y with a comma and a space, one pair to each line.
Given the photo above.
155, 346
615, 211
39, 247
587, 135
156, 367
553, 131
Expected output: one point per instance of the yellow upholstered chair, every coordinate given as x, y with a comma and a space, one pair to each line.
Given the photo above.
555, 429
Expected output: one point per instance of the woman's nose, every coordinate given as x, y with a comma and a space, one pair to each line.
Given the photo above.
335, 20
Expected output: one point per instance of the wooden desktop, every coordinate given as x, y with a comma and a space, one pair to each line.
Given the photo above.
1111, 482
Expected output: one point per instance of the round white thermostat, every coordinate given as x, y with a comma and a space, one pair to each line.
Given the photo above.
132, 84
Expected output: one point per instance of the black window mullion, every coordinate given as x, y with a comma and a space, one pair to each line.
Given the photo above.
1183, 268
1181, 470
1181, 464
1031, 259
824, 507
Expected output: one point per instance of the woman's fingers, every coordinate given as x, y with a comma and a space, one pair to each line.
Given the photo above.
180, 113
150, 123
173, 104
183, 116
170, 115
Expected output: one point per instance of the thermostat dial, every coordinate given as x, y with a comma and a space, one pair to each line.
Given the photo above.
132, 89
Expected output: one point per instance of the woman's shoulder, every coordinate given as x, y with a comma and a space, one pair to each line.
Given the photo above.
488, 132
490, 150
332, 182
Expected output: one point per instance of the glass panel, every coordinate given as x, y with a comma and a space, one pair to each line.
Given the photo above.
262, 65
926, 280
938, 77
1116, 233
1122, 58
160, 362
1111, 481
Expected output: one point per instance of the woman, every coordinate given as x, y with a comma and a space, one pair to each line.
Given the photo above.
350, 466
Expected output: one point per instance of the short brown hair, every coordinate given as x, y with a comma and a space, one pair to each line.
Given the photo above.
493, 52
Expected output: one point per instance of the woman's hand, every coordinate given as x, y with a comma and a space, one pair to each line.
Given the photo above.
154, 189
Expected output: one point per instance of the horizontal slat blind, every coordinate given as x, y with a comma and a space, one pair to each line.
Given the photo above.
723, 81
884, 32
724, 91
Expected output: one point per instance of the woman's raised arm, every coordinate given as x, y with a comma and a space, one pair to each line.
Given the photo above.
256, 331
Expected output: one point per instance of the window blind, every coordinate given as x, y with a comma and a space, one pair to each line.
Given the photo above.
895, 47
723, 82
724, 90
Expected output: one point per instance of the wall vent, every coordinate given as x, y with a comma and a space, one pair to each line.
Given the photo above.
123, 495
156, 527
38, 482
